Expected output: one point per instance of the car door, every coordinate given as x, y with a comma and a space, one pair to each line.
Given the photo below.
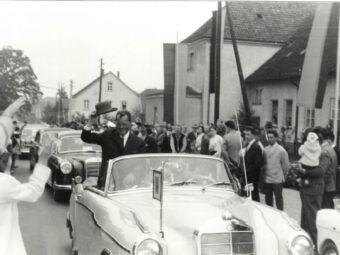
89, 237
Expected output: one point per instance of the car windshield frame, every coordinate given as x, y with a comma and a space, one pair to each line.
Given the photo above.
229, 186
73, 151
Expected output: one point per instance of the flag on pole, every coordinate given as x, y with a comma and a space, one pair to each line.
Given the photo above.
320, 55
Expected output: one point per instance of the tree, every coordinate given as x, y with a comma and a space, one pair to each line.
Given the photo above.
49, 113
61, 104
17, 78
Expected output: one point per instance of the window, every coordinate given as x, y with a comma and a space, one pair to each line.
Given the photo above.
289, 113
109, 86
332, 106
86, 104
257, 100
191, 61
275, 110
310, 117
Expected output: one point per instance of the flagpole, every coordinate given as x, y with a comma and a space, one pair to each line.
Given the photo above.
176, 81
336, 100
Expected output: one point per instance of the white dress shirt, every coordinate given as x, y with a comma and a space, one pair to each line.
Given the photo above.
125, 138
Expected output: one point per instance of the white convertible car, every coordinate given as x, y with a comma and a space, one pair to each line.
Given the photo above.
203, 213
328, 224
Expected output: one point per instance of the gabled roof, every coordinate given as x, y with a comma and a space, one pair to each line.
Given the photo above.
287, 63
152, 92
261, 21
97, 79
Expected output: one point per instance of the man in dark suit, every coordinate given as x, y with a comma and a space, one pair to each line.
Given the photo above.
114, 142
254, 161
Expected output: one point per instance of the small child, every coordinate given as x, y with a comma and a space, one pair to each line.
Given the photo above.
310, 153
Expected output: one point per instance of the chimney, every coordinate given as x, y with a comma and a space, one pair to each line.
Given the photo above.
118, 74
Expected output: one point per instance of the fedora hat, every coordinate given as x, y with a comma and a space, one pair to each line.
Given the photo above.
104, 107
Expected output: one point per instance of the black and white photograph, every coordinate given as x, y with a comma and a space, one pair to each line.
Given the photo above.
169, 127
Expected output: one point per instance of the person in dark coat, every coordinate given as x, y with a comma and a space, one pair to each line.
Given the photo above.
191, 139
114, 142
150, 142
311, 191
253, 160
178, 141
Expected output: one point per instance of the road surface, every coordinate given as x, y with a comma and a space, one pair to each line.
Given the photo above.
43, 223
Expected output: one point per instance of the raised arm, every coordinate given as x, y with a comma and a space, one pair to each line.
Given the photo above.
30, 191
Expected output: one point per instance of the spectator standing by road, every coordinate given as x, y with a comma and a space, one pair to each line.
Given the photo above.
253, 160
312, 186
15, 146
178, 142
191, 139
205, 141
329, 165
215, 142
114, 142
277, 165
150, 141
198, 141
232, 142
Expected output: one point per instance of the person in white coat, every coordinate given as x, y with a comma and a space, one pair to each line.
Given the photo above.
12, 191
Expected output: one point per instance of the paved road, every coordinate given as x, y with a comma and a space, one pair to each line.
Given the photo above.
43, 223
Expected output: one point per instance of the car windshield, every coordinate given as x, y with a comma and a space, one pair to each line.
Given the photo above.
178, 171
75, 144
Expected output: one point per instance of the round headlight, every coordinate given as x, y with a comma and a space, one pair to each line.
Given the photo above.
66, 167
148, 247
301, 245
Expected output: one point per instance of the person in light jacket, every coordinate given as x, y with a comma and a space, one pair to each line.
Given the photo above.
276, 168
12, 191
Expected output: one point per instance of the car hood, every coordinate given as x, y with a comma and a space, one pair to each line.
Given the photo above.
80, 156
187, 212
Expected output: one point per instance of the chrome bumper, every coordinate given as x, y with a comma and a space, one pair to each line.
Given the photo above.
61, 187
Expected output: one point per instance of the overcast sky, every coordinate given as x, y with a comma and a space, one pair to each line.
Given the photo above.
65, 40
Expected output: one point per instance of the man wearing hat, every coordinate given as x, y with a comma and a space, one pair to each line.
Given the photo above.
115, 142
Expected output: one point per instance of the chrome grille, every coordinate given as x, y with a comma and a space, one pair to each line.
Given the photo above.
233, 243
92, 169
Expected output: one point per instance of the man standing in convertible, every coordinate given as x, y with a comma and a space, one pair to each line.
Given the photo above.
115, 142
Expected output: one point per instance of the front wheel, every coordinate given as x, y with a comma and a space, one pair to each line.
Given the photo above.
329, 248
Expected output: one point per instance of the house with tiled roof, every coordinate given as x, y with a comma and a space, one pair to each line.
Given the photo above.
273, 87
262, 29
114, 89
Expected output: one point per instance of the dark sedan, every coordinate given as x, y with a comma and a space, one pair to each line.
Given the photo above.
71, 157
42, 138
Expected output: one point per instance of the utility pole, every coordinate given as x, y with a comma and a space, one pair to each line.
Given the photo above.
239, 67
71, 88
100, 84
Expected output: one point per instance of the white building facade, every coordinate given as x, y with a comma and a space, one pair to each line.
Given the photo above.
261, 29
113, 89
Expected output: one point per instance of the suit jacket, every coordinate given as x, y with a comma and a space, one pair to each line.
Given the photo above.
254, 161
315, 176
329, 165
112, 147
